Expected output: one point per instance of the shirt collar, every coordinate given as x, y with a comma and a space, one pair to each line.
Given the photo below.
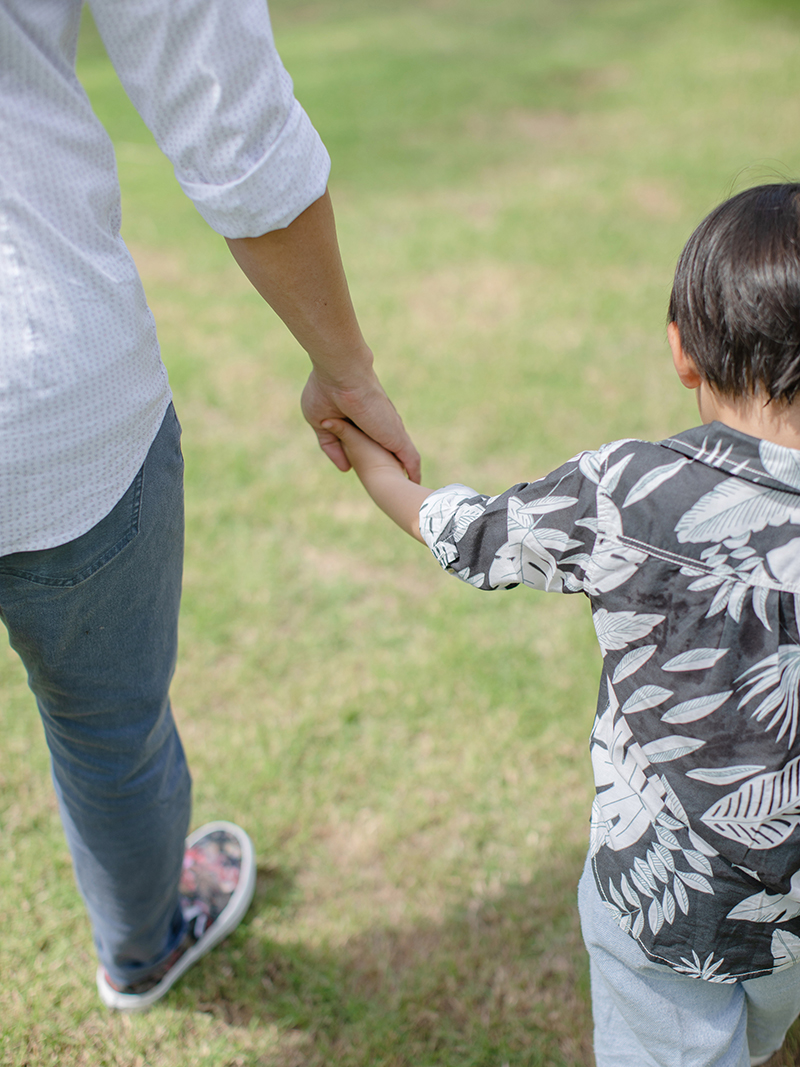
740, 455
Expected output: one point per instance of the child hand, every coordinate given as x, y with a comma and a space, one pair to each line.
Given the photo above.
364, 454
382, 475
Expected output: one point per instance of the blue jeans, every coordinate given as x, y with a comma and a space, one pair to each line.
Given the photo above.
95, 623
648, 1015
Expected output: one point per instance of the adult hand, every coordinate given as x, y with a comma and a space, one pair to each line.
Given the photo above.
364, 402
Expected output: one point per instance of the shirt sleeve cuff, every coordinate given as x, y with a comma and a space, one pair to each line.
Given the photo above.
270, 195
436, 512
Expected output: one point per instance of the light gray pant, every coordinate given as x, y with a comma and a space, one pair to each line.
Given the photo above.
647, 1015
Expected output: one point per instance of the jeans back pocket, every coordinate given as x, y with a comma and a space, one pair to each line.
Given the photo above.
74, 562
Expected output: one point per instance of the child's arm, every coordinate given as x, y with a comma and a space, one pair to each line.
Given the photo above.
382, 476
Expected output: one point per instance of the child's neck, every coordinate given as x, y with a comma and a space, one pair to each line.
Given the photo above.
777, 422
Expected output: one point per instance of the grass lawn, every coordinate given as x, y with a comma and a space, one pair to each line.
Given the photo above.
513, 181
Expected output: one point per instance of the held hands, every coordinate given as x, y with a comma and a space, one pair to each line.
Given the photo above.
367, 406
382, 475
367, 458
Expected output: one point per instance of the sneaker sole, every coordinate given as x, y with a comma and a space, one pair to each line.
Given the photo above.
227, 921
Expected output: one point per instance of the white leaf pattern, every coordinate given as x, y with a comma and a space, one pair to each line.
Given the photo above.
627, 799
538, 537
708, 581
613, 561
444, 552
439, 508
737, 543
527, 555
614, 894
782, 463
506, 567
724, 775
720, 601
664, 749
760, 599
598, 829
617, 629
681, 896
640, 883
785, 949
672, 801
695, 881
630, 894
666, 837
667, 820
657, 865
695, 659
736, 600
521, 511
705, 970
739, 551
691, 571
646, 875
736, 507
784, 562
651, 481
668, 906
779, 678
590, 465
655, 916
698, 861
648, 696
664, 855
763, 812
465, 517
632, 661
578, 559
770, 907
572, 584
698, 708
611, 478
638, 925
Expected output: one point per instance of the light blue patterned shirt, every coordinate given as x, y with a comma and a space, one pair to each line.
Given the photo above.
82, 386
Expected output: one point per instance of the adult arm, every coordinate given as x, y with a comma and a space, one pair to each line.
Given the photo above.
298, 271
206, 78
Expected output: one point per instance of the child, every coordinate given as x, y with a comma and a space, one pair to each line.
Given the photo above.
689, 551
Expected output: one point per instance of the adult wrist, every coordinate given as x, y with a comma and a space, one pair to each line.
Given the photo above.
350, 371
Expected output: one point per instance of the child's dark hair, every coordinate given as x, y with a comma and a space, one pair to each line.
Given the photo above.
736, 294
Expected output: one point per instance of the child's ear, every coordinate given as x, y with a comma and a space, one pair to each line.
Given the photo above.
684, 364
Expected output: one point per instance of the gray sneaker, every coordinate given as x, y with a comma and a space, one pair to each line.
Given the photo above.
216, 887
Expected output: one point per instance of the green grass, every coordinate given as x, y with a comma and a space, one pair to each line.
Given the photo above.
513, 181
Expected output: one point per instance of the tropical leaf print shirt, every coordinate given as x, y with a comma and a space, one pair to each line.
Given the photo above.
689, 551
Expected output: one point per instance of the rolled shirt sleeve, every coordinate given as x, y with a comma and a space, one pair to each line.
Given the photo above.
207, 80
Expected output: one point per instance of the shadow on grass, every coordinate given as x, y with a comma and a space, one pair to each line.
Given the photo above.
500, 981
275, 888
